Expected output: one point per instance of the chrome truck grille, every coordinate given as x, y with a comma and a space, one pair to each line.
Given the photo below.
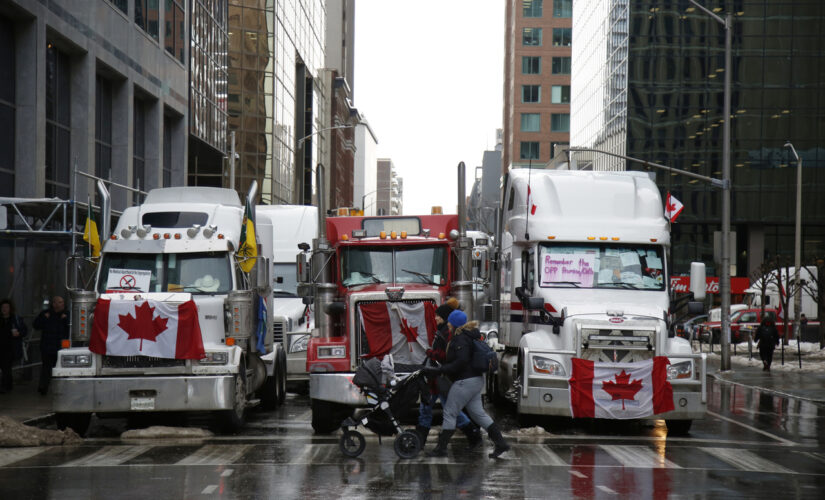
617, 346
140, 362
278, 329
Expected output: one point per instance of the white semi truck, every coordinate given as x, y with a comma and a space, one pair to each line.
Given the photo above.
177, 250
611, 303
292, 318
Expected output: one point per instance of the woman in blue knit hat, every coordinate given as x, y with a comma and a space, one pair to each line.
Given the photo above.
467, 385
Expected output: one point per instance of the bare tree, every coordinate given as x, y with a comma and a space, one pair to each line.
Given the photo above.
787, 289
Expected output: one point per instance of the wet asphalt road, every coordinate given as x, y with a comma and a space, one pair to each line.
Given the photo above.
751, 445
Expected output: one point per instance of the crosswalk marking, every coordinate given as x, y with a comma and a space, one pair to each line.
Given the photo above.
746, 460
213, 454
606, 489
577, 474
11, 455
539, 455
640, 457
108, 456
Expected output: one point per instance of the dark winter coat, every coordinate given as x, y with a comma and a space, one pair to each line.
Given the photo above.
767, 337
7, 340
457, 366
54, 329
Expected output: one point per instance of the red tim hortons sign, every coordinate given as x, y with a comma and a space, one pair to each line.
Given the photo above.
681, 284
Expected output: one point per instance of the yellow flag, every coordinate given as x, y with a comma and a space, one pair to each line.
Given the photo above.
90, 233
248, 249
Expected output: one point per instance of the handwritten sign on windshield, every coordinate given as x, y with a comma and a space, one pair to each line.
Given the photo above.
566, 267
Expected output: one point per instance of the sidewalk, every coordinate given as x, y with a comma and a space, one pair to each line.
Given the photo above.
24, 403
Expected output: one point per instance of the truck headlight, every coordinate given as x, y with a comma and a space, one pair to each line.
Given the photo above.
299, 343
214, 358
681, 370
332, 351
75, 360
547, 366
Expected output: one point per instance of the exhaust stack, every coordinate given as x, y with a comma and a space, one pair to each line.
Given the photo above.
463, 288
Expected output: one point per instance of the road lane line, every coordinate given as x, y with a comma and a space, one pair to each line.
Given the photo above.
227, 473
606, 489
215, 454
577, 474
108, 456
815, 456
551, 457
10, 456
640, 457
746, 460
209, 489
754, 429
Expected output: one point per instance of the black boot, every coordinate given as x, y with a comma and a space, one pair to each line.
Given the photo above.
473, 433
501, 445
441, 449
422, 434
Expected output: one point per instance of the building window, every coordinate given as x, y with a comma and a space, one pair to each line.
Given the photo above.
175, 29
531, 37
123, 5
103, 128
562, 37
560, 94
562, 8
58, 123
530, 93
530, 122
560, 122
553, 148
7, 107
139, 150
531, 65
167, 151
532, 8
147, 16
529, 151
561, 65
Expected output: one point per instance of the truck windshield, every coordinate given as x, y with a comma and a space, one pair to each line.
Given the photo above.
365, 265
198, 273
634, 267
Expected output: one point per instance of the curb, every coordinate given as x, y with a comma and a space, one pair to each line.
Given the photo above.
765, 389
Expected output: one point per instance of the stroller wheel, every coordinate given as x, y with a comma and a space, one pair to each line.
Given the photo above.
352, 443
407, 444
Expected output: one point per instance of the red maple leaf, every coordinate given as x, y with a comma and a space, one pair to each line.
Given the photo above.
671, 207
409, 331
142, 326
622, 388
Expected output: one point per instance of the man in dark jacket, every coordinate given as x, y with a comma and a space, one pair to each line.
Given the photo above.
438, 353
767, 338
53, 324
466, 389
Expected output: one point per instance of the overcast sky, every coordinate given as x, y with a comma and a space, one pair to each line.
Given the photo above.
428, 78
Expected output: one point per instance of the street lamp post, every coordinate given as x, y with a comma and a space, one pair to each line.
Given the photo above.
364, 198
306, 177
797, 250
724, 278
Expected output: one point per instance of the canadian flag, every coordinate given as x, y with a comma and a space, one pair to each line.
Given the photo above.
146, 328
403, 329
620, 390
673, 208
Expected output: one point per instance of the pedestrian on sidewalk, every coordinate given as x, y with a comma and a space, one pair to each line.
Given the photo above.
440, 385
767, 338
467, 386
12, 331
53, 324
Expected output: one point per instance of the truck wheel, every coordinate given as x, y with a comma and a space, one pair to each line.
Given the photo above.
78, 422
327, 417
282, 377
233, 420
269, 392
678, 427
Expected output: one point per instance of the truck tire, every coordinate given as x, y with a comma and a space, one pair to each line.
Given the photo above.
678, 427
78, 422
234, 420
269, 393
327, 417
282, 377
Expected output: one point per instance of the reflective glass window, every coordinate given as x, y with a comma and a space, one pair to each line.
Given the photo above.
562, 37
562, 8
531, 65
560, 94
530, 122
531, 37
560, 122
530, 93
532, 8
529, 150
561, 65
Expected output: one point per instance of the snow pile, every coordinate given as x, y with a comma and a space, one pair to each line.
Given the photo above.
813, 358
532, 431
163, 432
15, 434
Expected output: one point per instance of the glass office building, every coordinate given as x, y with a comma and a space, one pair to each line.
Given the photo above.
648, 81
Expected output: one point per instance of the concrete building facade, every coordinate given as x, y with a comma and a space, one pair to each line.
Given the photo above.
389, 190
365, 177
537, 62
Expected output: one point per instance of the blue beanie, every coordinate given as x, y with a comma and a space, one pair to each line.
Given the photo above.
457, 318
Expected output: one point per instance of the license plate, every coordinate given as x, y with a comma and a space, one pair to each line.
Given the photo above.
143, 404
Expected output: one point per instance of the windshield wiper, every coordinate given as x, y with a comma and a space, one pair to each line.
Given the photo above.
574, 283
622, 284
368, 275
427, 277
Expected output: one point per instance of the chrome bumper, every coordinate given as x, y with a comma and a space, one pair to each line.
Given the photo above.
124, 394
296, 367
336, 388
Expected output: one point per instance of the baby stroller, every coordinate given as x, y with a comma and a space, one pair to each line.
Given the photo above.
389, 397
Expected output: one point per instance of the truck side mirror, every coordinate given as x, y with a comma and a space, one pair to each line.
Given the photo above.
534, 303
696, 307
302, 268
262, 273
697, 280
